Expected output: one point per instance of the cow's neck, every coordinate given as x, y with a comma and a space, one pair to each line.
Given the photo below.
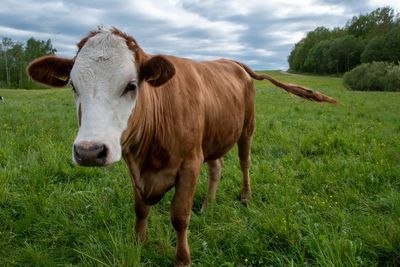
144, 149
144, 126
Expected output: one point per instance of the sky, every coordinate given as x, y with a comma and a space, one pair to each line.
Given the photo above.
260, 33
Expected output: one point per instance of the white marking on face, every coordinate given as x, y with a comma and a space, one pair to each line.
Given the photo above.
102, 70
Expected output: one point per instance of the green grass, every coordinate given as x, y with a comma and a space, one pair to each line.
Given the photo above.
325, 181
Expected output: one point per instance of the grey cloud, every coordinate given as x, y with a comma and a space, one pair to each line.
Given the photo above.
257, 33
352, 5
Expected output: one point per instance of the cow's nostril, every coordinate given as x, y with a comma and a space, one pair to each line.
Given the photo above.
76, 152
103, 153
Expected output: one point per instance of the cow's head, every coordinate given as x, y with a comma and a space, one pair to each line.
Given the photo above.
106, 74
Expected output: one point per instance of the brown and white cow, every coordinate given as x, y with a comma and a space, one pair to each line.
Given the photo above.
164, 115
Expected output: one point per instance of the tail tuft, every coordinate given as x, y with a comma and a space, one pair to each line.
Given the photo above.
306, 93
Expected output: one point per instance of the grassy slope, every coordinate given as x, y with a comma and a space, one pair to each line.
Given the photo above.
325, 180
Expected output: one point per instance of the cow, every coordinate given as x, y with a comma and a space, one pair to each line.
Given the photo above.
164, 115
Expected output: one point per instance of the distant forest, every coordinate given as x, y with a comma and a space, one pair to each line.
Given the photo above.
15, 57
366, 38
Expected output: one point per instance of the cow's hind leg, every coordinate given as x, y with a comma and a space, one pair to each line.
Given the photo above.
244, 144
214, 176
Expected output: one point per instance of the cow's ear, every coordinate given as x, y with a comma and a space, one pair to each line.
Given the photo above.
156, 71
51, 70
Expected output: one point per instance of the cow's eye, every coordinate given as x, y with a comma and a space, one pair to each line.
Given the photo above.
131, 86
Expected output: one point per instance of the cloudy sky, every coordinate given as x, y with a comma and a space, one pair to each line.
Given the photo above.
260, 33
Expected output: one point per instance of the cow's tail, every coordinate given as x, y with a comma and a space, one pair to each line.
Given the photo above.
290, 88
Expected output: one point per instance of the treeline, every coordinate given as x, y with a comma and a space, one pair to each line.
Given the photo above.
15, 57
366, 38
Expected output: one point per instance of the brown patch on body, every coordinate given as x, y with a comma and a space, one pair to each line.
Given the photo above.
157, 158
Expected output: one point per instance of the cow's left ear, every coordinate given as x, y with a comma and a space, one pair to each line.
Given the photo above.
51, 70
157, 71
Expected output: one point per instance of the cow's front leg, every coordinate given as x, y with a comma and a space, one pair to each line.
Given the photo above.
181, 207
142, 211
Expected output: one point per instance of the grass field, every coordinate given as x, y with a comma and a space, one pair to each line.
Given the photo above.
325, 180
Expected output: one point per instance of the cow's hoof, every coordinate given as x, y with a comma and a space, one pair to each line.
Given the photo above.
177, 264
182, 264
140, 235
245, 197
141, 238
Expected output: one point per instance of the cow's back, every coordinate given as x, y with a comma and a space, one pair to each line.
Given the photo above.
215, 102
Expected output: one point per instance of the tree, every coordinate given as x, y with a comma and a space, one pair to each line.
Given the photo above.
297, 57
15, 56
374, 50
36, 48
318, 58
378, 22
300, 52
334, 56
391, 49
347, 51
16, 64
6, 44
383, 48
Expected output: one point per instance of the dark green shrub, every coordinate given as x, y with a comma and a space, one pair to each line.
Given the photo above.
375, 76
393, 78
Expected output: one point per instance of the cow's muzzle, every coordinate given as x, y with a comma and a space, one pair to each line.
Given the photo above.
90, 154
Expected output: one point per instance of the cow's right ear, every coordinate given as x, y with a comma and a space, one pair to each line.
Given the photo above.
51, 70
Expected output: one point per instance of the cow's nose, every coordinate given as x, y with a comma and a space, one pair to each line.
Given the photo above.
90, 154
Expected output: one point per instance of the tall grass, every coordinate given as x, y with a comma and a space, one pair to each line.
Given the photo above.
325, 184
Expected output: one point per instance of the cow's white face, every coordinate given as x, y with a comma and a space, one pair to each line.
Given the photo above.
105, 80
